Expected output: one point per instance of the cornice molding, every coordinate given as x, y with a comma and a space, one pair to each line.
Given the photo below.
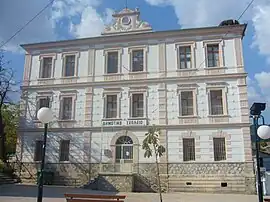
235, 31
140, 128
183, 80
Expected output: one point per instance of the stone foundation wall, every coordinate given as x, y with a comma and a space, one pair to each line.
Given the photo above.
200, 177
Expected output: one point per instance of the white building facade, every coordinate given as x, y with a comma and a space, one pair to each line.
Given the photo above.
106, 91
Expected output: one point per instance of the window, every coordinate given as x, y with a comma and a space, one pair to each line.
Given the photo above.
137, 103
112, 62
185, 57
46, 69
124, 149
64, 150
66, 108
188, 149
213, 55
38, 150
186, 100
69, 65
111, 106
219, 149
216, 102
137, 60
43, 102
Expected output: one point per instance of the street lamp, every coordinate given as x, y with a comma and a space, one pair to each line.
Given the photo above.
45, 116
262, 132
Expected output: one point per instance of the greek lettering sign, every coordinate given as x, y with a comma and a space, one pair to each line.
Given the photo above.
137, 122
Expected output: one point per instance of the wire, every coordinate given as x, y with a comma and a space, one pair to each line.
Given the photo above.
25, 25
241, 15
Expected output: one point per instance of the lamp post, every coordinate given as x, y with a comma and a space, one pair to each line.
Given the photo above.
262, 132
45, 116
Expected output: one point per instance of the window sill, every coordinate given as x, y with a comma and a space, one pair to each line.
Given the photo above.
69, 120
111, 119
113, 74
186, 70
214, 68
45, 79
218, 116
139, 72
188, 117
69, 77
137, 118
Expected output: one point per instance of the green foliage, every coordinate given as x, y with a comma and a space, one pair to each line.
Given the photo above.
151, 142
10, 115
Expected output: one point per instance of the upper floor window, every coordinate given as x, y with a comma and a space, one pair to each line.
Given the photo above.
219, 149
111, 106
185, 57
64, 150
66, 108
216, 102
137, 105
112, 62
188, 149
46, 68
186, 103
137, 60
43, 102
38, 150
69, 68
213, 55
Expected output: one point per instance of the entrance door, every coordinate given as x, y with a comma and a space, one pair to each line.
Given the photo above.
124, 153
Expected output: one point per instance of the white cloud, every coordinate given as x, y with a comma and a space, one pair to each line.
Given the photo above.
80, 16
204, 12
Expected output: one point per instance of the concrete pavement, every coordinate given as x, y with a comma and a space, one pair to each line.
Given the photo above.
27, 193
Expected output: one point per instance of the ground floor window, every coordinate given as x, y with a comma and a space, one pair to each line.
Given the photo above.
124, 149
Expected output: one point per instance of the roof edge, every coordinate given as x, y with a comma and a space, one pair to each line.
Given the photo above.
153, 35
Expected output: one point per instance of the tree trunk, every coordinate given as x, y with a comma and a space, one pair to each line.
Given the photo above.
158, 177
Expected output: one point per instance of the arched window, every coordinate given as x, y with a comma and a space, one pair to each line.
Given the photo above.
124, 149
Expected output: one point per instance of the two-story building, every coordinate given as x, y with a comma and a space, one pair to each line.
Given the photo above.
106, 91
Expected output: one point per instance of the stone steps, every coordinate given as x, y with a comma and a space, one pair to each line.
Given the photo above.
4, 179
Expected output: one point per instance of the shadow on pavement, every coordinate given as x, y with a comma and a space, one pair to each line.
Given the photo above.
22, 190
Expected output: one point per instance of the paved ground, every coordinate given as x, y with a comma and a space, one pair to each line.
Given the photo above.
27, 193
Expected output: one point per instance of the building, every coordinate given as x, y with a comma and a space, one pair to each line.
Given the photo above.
106, 91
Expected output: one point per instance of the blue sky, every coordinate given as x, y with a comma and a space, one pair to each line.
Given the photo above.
67, 19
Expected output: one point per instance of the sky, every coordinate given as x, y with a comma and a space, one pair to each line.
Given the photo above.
68, 19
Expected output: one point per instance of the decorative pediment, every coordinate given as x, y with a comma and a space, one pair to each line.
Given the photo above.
127, 21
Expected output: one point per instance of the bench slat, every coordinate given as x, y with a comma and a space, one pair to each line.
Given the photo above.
95, 196
93, 200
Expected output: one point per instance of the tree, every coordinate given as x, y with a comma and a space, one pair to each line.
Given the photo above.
11, 121
7, 86
151, 145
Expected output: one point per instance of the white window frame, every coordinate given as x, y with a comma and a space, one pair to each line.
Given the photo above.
41, 57
138, 90
145, 58
43, 95
105, 54
73, 95
116, 92
188, 88
77, 56
224, 89
221, 44
192, 45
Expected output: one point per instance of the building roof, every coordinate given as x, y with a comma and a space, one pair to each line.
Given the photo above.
127, 27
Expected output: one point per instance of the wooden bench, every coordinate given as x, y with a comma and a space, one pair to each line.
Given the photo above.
94, 198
